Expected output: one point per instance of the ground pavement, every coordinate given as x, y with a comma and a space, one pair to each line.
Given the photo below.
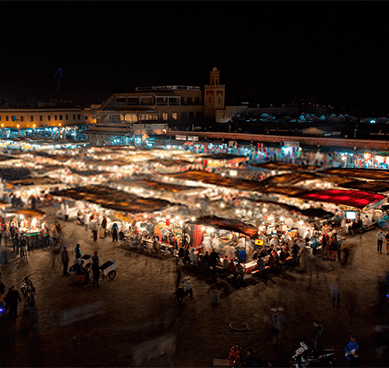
135, 320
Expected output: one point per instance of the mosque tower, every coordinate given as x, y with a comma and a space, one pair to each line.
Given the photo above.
214, 96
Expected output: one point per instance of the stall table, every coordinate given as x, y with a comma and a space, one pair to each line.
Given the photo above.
32, 238
249, 266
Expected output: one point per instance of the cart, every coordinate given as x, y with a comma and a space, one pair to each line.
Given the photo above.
108, 269
87, 258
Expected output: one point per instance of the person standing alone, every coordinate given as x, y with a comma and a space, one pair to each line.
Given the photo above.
96, 272
65, 261
318, 336
13, 298
380, 238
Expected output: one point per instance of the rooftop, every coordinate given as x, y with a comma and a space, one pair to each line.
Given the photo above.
168, 88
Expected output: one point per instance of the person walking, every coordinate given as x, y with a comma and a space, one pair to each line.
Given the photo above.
278, 320
65, 261
380, 238
295, 251
23, 247
387, 242
54, 234
96, 272
103, 230
86, 221
318, 336
77, 250
335, 293
352, 352
13, 298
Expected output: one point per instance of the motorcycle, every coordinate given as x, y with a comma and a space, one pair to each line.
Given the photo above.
182, 292
305, 357
27, 288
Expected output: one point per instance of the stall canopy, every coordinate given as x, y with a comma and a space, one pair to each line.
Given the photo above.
45, 180
351, 198
371, 186
284, 166
215, 179
309, 212
226, 224
155, 185
28, 213
372, 174
113, 199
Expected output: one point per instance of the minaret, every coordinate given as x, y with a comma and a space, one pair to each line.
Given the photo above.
214, 95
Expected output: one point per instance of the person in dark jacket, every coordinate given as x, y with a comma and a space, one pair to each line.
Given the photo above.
181, 253
96, 273
13, 298
77, 250
318, 336
65, 261
115, 232
252, 359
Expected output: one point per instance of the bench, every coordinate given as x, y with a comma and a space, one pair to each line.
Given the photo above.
220, 363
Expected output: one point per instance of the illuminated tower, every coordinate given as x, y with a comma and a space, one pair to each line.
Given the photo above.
214, 95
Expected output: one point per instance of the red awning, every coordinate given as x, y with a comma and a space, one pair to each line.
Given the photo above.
351, 198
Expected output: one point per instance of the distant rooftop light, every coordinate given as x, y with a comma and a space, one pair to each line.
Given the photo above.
372, 121
170, 88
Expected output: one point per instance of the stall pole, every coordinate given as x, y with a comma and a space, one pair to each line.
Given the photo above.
245, 249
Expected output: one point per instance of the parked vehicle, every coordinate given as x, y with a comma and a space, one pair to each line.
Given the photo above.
182, 292
108, 269
305, 357
27, 288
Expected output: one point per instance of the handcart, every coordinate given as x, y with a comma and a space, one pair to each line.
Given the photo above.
108, 269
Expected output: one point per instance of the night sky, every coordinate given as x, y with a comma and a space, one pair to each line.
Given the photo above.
325, 52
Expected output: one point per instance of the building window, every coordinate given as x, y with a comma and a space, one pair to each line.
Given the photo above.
55, 117
66, 117
174, 115
191, 115
78, 117
32, 118
220, 100
198, 114
183, 115
164, 116
86, 118
0, 117
6, 118
48, 117
13, 118
22, 118
60, 117
209, 100
40, 117
74, 117
189, 101
197, 100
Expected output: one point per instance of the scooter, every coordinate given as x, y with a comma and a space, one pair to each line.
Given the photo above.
27, 288
303, 357
182, 292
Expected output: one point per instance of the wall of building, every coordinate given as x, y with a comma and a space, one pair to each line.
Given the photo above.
34, 118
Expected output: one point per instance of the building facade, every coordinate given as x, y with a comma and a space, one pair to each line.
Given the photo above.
46, 116
165, 103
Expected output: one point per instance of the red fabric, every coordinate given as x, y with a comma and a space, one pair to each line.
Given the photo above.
234, 355
352, 198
